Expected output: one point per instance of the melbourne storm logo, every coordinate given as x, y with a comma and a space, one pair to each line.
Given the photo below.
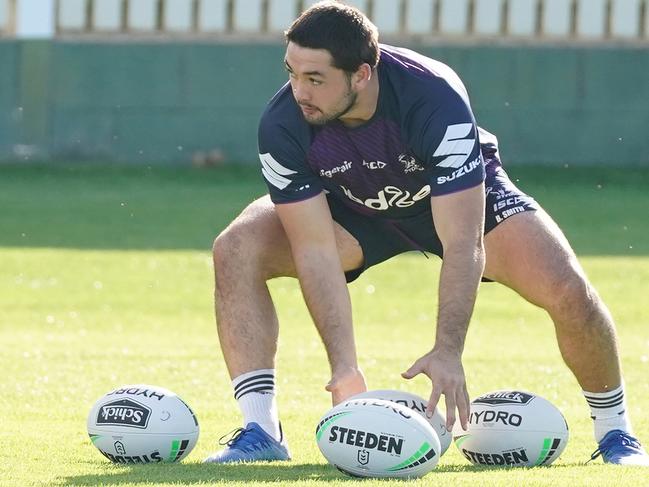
124, 412
410, 164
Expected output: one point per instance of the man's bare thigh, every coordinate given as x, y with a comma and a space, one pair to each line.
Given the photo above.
261, 229
529, 253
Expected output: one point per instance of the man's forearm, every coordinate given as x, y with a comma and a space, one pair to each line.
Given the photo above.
458, 286
327, 297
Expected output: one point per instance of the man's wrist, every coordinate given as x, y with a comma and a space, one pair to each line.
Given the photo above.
444, 350
345, 368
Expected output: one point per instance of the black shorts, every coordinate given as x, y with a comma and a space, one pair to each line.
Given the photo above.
381, 239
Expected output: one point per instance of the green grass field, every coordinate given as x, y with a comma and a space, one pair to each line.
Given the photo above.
106, 279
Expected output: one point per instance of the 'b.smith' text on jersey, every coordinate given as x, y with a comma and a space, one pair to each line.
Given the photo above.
422, 141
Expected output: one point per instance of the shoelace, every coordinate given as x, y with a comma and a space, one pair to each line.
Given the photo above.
234, 435
627, 440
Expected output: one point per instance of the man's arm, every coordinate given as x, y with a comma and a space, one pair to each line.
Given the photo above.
310, 230
459, 220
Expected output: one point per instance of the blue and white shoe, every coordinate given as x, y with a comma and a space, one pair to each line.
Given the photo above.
620, 448
251, 444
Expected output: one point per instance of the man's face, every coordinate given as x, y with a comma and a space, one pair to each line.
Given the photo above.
323, 91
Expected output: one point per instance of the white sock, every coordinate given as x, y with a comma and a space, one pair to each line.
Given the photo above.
608, 410
255, 393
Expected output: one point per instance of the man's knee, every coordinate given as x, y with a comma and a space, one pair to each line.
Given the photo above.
229, 246
234, 241
254, 242
572, 298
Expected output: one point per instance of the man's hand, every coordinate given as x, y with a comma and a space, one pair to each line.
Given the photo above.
346, 383
447, 375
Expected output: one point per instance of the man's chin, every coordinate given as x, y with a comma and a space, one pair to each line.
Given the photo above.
315, 119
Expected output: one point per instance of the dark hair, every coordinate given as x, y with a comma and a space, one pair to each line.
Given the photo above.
349, 36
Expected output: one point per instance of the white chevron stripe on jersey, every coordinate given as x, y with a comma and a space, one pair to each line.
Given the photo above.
455, 146
274, 172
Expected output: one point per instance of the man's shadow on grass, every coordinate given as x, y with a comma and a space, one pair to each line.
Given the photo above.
188, 474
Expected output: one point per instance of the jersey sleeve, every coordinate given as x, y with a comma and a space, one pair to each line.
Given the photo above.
283, 157
449, 142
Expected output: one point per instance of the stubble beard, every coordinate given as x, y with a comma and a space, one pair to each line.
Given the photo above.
325, 118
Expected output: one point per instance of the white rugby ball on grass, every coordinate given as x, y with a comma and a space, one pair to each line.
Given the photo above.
512, 428
417, 404
142, 424
377, 438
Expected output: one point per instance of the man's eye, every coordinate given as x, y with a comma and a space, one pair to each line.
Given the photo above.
316, 82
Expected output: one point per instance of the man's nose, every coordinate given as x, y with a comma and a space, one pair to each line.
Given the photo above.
301, 93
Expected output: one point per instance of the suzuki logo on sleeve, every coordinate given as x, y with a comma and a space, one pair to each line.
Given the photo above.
455, 145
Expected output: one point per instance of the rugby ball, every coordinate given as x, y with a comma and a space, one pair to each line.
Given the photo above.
512, 428
142, 424
417, 404
377, 438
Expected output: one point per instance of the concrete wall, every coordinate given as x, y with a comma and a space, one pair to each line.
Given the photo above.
160, 102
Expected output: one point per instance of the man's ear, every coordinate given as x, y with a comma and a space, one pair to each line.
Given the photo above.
361, 78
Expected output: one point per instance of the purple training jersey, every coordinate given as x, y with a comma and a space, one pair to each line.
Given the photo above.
422, 141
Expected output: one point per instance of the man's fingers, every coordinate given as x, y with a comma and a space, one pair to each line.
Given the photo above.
344, 385
432, 402
450, 410
463, 408
335, 392
335, 399
414, 370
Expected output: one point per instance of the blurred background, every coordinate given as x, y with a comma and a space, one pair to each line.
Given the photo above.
180, 82
107, 107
